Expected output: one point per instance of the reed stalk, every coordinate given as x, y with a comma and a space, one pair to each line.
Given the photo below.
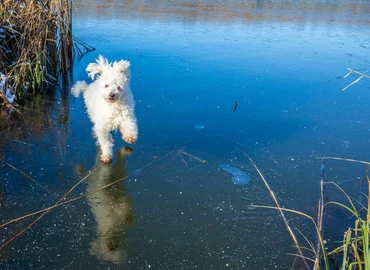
272, 194
354, 252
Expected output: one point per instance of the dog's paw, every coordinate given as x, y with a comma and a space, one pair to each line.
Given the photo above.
129, 139
105, 158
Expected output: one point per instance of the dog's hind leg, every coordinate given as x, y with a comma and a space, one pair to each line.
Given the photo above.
105, 142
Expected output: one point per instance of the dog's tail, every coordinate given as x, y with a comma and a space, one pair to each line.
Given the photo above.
78, 88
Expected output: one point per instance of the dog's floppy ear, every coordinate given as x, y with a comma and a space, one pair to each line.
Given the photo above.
98, 67
122, 66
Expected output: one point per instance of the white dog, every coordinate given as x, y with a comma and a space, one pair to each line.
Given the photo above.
109, 103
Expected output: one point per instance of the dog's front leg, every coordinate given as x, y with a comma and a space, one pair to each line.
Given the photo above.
105, 141
129, 130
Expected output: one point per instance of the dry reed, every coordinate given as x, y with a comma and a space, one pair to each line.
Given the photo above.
352, 71
36, 43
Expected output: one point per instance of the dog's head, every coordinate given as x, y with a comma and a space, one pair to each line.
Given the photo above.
112, 78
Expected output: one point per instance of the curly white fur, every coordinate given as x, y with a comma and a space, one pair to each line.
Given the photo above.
110, 103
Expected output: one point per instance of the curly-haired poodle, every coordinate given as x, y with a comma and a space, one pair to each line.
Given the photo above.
110, 103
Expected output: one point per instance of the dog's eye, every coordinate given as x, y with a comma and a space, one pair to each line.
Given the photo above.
106, 86
119, 87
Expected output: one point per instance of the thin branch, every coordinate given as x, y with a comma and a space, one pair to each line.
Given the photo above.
46, 212
82, 196
358, 72
349, 73
27, 176
192, 156
346, 159
184, 160
357, 80
20, 142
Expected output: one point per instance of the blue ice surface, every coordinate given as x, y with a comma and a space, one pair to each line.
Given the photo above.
199, 126
239, 177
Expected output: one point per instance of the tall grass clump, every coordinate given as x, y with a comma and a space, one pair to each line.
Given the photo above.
354, 251
36, 43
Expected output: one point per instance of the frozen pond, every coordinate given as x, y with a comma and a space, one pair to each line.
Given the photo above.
176, 208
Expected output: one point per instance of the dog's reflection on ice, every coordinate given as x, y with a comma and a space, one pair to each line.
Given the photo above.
112, 208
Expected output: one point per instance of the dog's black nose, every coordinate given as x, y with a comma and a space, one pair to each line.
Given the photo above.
111, 95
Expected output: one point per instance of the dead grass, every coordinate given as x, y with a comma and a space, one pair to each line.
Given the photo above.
36, 43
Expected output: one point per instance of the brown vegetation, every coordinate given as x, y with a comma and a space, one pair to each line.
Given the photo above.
36, 43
